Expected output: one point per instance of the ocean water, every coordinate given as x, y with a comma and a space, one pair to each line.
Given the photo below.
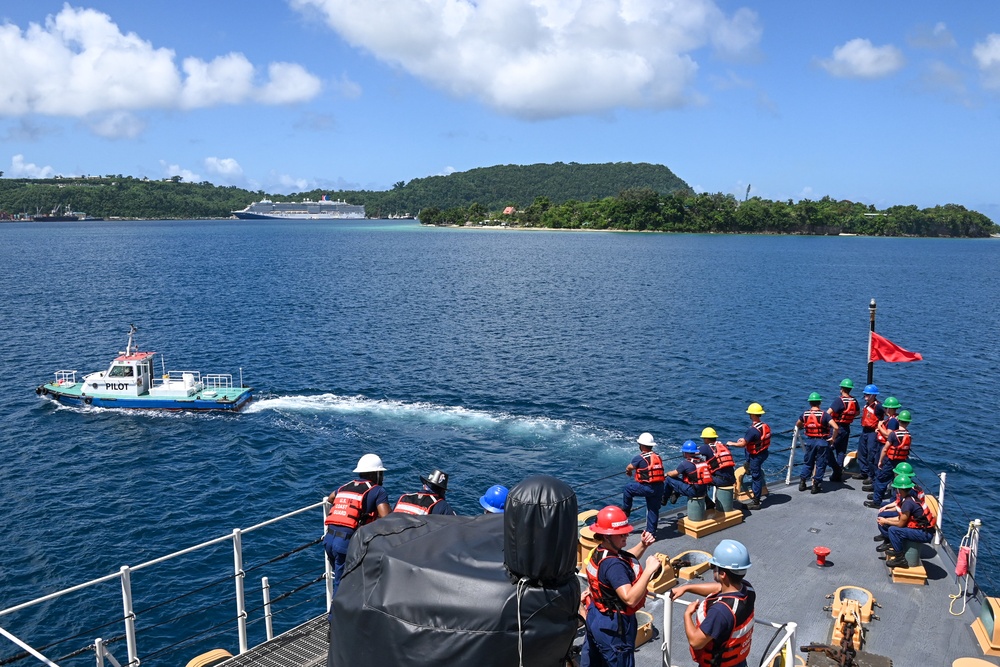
490, 354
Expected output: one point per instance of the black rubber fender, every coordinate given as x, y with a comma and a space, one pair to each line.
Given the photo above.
88, 400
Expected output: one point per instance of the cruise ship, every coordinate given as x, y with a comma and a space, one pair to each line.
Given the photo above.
324, 209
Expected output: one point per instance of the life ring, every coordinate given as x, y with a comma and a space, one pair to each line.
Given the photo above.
88, 400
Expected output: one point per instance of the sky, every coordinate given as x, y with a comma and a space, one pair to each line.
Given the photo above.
886, 103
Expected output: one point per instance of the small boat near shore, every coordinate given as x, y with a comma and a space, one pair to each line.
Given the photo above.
130, 382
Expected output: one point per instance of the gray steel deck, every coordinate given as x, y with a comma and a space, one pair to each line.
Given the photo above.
915, 627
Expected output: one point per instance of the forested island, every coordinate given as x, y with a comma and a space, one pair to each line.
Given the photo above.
620, 196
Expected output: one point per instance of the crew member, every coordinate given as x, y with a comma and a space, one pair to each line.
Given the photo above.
719, 458
915, 521
430, 500
871, 414
647, 466
895, 432
889, 422
494, 499
891, 510
690, 478
617, 586
820, 432
843, 409
354, 504
755, 443
720, 627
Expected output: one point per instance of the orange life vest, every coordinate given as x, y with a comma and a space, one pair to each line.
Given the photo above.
869, 416
416, 503
926, 520
723, 457
878, 434
765, 439
653, 472
849, 412
702, 474
813, 422
602, 595
900, 450
735, 649
349, 505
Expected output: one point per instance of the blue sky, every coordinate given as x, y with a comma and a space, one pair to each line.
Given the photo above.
880, 102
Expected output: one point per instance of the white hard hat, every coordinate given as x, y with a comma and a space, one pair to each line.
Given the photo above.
370, 463
646, 440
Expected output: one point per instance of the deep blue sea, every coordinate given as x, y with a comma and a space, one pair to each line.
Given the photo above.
490, 354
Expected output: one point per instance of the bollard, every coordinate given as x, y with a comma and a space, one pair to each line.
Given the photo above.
821, 554
696, 508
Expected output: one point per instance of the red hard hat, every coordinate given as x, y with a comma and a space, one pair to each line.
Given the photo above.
612, 521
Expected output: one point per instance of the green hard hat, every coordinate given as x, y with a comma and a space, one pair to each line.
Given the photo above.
904, 416
903, 468
815, 397
891, 402
902, 482
847, 384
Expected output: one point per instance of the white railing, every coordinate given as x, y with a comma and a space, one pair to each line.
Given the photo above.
219, 381
124, 576
65, 377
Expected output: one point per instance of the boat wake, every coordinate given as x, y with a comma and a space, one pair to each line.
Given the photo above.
485, 422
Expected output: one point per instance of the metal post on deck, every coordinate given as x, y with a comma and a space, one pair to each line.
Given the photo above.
265, 587
99, 651
328, 568
871, 364
668, 619
241, 609
791, 457
133, 651
937, 533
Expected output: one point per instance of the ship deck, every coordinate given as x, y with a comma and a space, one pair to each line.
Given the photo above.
914, 626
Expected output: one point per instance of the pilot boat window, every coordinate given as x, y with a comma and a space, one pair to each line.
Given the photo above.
121, 371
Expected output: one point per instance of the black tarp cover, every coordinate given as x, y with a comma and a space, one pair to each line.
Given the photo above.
433, 590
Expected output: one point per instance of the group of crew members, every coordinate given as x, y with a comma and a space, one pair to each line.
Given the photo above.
364, 500
719, 626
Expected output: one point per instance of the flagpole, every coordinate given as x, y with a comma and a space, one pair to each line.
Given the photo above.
871, 364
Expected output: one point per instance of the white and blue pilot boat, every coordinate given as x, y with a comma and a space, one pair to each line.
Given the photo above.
131, 382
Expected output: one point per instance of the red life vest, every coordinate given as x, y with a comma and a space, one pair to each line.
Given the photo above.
849, 412
735, 649
885, 422
702, 474
653, 472
765, 439
602, 595
813, 422
926, 520
349, 505
869, 417
416, 503
900, 450
723, 458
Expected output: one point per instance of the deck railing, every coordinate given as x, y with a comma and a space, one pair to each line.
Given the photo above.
124, 577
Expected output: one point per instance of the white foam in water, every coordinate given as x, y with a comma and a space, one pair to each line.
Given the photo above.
429, 413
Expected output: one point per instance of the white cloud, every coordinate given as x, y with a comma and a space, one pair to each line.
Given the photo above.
171, 170
860, 59
21, 169
546, 58
932, 37
226, 170
116, 125
987, 55
79, 63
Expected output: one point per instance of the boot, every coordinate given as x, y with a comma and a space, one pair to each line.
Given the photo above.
859, 475
871, 496
802, 485
816, 487
884, 547
881, 538
898, 561
888, 554
674, 496
867, 487
837, 477
873, 504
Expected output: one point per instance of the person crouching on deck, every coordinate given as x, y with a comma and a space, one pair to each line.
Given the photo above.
691, 477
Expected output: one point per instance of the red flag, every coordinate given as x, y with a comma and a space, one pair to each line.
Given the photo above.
883, 349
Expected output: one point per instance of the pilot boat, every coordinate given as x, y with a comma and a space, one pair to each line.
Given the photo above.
131, 382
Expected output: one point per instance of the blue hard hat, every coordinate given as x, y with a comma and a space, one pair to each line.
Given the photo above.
689, 447
871, 389
494, 499
731, 555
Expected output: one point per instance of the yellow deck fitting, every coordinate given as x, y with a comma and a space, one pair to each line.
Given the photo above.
697, 564
743, 494
864, 598
645, 633
665, 579
714, 522
989, 642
